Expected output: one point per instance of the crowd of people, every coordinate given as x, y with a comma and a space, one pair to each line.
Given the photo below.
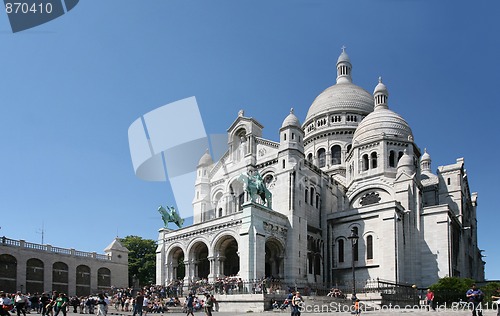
52, 304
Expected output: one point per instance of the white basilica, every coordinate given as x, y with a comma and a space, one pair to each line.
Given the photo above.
352, 166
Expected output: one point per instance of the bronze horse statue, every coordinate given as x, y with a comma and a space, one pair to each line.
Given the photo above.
170, 216
255, 186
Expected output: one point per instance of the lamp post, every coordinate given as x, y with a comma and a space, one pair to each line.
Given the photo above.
354, 239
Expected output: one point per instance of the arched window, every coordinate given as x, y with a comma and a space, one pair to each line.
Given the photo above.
284, 136
374, 159
369, 247
103, 279
8, 273
34, 275
306, 195
60, 277
336, 155
82, 280
392, 159
321, 157
341, 250
310, 158
311, 199
365, 162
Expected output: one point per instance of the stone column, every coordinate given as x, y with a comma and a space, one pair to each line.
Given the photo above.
21, 272
211, 271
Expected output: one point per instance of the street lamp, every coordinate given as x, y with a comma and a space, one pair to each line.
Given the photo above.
354, 240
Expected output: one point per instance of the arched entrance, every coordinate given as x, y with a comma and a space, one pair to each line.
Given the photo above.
8, 273
176, 258
82, 280
60, 277
103, 279
34, 275
227, 257
199, 259
274, 264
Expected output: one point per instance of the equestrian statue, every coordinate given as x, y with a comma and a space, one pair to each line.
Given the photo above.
255, 187
170, 216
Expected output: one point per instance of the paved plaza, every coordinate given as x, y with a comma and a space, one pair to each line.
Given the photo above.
385, 312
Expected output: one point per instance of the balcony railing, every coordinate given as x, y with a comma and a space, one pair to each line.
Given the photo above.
48, 248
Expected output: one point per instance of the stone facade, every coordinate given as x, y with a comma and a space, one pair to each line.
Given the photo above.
352, 167
35, 268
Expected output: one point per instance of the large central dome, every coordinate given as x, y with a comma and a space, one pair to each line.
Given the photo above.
342, 97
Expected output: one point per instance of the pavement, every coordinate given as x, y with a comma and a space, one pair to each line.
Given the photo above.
396, 310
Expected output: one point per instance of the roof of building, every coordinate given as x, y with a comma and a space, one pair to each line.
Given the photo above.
291, 120
382, 121
206, 159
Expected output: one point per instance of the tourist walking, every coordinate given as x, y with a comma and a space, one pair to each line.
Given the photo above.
475, 297
430, 300
101, 305
139, 299
189, 304
5, 304
20, 303
208, 305
61, 304
497, 297
296, 304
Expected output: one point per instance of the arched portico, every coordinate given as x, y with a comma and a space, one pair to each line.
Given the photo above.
198, 265
175, 266
274, 260
226, 259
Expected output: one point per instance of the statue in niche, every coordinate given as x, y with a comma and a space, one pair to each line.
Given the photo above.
255, 186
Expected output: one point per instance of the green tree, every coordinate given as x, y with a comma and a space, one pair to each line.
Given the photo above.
490, 289
451, 289
141, 259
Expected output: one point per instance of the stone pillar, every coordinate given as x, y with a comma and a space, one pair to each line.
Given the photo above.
211, 271
47, 275
222, 259
21, 272
169, 271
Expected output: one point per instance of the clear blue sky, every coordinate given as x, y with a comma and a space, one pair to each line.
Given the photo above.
71, 88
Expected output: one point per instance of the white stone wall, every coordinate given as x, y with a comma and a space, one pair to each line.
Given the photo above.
22, 251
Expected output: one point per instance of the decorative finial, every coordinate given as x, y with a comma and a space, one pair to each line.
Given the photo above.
380, 79
404, 151
343, 48
241, 113
425, 150
291, 110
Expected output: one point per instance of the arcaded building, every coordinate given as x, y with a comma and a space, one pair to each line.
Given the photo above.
35, 268
351, 167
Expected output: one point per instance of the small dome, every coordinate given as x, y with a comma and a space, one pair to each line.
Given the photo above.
343, 57
206, 159
405, 160
405, 164
291, 120
380, 88
425, 156
382, 121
